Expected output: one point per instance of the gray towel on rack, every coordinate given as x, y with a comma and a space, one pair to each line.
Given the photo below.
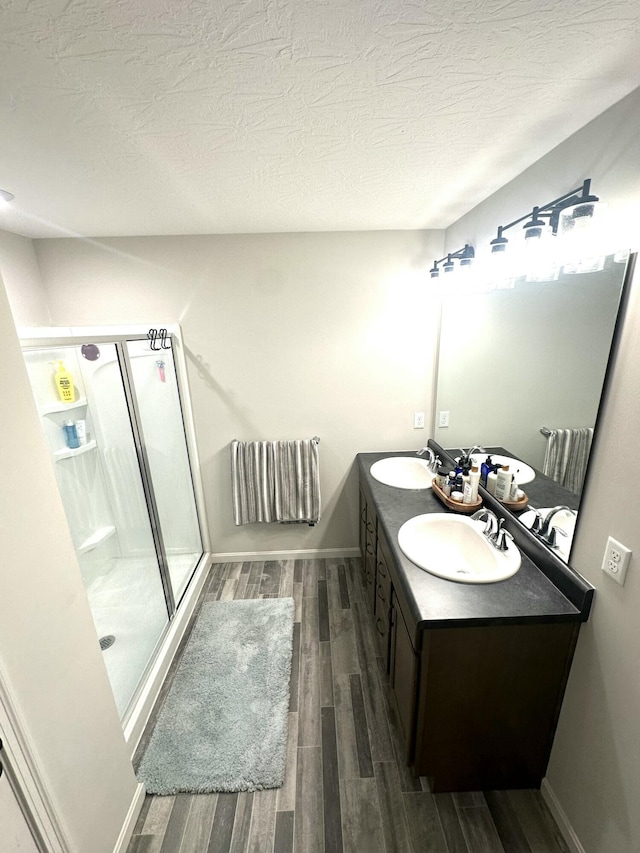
275, 481
566, 457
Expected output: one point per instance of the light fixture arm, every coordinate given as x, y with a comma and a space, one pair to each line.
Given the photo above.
551, 210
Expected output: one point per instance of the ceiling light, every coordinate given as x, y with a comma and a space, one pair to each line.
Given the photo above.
6, 196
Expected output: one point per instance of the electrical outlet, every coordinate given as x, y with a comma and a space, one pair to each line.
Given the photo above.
418, 420
616, 560
443, 419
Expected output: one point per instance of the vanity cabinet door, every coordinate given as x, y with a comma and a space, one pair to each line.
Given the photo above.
370, 559
383, 599
488, 704
363, 534
403, 677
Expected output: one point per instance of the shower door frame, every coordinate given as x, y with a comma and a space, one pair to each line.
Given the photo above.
179, 612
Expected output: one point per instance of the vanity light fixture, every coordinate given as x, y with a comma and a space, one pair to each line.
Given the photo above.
464, 255
575, 207
6, 196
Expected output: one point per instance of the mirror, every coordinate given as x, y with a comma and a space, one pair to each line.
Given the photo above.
519, 363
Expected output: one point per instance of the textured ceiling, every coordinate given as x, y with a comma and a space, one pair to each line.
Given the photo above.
219, 116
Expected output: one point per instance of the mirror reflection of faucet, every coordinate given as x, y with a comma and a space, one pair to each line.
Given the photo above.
543, 528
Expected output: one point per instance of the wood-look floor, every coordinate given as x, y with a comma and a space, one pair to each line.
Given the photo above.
346, 787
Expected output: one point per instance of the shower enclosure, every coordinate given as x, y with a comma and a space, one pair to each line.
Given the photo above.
121, 456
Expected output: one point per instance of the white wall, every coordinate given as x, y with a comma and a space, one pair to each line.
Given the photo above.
288, 336
21, 276
595, 764
49, 654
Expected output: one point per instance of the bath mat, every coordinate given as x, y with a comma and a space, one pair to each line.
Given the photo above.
223, 724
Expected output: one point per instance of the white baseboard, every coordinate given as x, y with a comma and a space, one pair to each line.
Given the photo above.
142, 711
130, 821
311, 554
560, 817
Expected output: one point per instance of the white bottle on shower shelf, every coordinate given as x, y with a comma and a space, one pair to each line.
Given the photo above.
81, 430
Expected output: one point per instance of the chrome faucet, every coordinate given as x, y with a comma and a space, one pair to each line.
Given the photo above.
499, 538
552, 537
428, 451
538, 520
471, 450
546, 530
484, 514
542, 528
494, 528
434, 460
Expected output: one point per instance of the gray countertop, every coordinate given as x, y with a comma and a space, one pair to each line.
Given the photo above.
528, 596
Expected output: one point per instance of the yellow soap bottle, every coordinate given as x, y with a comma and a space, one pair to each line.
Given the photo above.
64, 384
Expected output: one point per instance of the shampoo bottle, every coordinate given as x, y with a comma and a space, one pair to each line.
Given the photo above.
64, 384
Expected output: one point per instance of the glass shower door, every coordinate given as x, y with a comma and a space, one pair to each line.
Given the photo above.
155, 385
92, 447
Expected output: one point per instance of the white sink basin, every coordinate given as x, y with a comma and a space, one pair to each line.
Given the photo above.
403, 472
522, 472
565, 521
454, 547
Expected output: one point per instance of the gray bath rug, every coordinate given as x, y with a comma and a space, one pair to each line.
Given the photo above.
223, 725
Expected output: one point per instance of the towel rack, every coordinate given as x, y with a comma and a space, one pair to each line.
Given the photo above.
315, 439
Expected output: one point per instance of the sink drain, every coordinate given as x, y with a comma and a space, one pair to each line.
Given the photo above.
107, 642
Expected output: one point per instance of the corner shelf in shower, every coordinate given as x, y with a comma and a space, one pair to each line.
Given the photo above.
97, 538
57, 408
67, 452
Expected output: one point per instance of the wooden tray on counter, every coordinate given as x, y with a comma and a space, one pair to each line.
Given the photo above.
456, 506
516, 506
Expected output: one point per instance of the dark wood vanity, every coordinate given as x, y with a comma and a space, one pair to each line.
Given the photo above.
477, 672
